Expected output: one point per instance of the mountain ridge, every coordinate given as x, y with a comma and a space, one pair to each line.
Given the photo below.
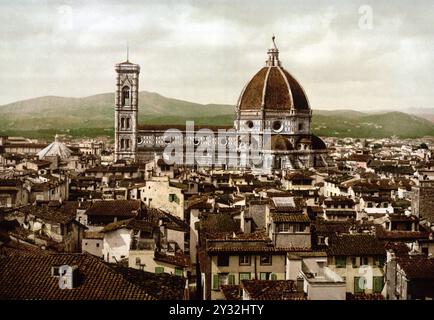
95, 113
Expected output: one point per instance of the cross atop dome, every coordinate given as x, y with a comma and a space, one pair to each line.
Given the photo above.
273, 54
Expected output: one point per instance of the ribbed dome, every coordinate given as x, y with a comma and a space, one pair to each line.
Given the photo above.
273, 88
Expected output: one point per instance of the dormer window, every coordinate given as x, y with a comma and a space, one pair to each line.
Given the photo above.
125, 99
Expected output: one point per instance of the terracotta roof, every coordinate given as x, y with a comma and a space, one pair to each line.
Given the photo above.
417, 267
162, 286
355, 245
51, 214
323, 227
281, 217
180, 260
396, 235
364, 296
231, 292
30, 278
272, 290
127, 208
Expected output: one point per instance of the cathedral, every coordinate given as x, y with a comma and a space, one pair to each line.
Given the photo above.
272, 112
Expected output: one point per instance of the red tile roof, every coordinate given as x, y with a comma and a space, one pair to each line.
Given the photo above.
30, 278
126, 208
272, 290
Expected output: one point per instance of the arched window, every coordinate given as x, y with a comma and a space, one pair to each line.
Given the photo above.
128, 123
127, 143
122, 143
122, 123
125, 99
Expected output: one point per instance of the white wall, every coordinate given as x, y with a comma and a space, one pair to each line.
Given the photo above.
116, 244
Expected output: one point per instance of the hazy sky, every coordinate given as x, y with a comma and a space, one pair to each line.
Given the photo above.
205, 51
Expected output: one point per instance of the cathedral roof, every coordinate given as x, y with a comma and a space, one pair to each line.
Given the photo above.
273, 88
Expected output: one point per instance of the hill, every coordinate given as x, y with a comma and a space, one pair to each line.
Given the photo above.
94, 115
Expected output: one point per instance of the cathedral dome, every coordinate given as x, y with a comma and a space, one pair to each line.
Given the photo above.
273, 88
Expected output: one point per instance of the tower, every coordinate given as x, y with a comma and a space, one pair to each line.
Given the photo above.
126, 110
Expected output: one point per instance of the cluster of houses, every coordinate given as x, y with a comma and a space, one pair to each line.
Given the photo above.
360, 229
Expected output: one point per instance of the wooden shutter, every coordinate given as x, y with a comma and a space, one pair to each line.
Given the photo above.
378, 284
159, 269
231, 279
273, 276
178, 271
215, 282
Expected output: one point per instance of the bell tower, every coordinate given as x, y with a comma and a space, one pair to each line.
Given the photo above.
126, 110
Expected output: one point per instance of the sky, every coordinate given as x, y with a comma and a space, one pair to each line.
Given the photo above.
364, 55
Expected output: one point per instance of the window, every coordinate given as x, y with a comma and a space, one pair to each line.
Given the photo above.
378, 283
231, 279
179, 271
300, 126
265, 260
173, 197
223, 261
359, 284
159, 270
264, 275
283, 227
355, 261
277, 126
85, 243
379, 261
245, 276
223, 279
97, 245
122, 123
273, 276
341, 261
300, 228
127, 143
364, 261
128, 123
122, 143
125, 99
137, 260
244, 260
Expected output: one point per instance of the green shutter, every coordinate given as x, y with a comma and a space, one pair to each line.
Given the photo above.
359, 284
215, 282
244, 276
231, 279
263, 276
159, 269
179, 271
273, 276
378, 284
